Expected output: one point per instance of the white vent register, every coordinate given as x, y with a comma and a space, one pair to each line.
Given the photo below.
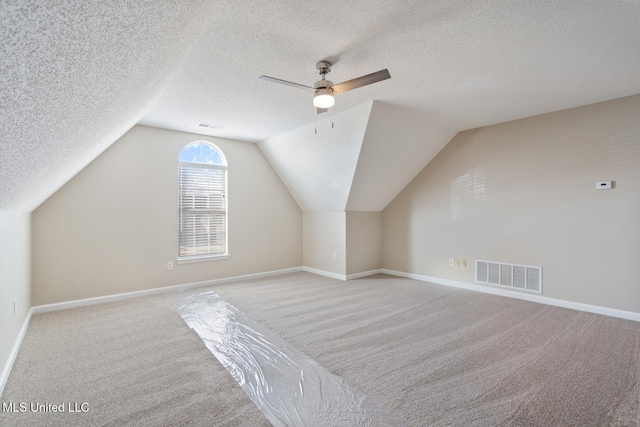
523, 277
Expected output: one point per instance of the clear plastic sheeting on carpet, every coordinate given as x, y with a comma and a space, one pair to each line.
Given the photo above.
287, 386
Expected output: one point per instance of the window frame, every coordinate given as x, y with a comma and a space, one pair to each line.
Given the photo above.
200, 165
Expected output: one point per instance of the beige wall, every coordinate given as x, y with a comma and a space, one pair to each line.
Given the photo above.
112, 228
364, 241
15, 279
354, 237
324, 235
523, 192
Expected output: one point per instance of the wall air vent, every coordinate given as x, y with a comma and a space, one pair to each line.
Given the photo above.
209, 126
522, 277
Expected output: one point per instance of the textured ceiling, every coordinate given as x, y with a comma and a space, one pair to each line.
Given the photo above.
472, 62
76, 75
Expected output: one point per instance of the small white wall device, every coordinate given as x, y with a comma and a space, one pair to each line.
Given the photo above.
603, 185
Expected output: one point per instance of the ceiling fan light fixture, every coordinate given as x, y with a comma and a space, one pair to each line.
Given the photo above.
324, 89
324, 98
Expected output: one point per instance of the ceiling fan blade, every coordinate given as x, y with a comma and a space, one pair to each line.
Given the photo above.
288, 83
362, 81
321, 110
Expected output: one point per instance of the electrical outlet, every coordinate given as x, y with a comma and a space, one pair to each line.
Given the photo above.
456, 262
334, 256
450, 262
169, 266
463, 263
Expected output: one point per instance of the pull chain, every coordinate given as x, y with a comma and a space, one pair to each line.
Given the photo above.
315, 123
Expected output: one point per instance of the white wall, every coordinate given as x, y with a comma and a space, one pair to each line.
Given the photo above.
523, 192
113, 227
364, 241
318, 168
324, 234
15, 280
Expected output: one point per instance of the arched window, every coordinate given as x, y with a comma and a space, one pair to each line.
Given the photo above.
202, 199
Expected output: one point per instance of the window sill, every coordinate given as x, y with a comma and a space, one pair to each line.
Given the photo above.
190, 260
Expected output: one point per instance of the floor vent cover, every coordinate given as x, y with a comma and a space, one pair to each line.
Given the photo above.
523, 277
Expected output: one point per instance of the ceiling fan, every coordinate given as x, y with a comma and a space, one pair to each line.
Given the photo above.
325, 89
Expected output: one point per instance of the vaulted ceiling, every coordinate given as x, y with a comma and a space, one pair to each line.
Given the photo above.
76, 75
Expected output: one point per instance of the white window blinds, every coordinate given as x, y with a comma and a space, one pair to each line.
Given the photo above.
202, 209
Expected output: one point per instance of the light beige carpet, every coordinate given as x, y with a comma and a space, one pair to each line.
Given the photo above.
134, 362
430, 354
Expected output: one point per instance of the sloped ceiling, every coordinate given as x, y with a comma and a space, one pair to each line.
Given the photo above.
76, 75
317, 162
356, 160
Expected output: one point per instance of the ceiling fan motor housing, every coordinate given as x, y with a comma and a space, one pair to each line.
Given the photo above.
323, 68
323, 84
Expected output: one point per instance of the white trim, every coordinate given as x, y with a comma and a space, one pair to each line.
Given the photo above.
189, 260
363, 274
185, 164
324, 273
154, 291
14, 352
629, 315
341, 276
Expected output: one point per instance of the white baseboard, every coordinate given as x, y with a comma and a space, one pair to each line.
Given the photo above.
340, 276
363, 274
629, 315
14, 352
154, 291
324, 273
